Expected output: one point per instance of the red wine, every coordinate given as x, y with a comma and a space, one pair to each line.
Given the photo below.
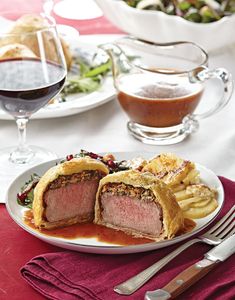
26, 85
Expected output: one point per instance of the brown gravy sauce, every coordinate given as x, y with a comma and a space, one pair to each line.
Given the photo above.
189, 225
102, 233
157, 106
88, 230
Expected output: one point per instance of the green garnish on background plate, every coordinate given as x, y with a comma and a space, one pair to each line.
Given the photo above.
88, 79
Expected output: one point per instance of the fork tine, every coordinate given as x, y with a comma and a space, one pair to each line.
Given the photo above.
231, 233
227, 229
217, 225
224, 225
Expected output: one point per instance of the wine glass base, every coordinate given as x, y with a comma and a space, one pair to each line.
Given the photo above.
9, 170
157, 136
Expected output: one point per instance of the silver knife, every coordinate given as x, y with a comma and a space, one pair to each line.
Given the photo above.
195, 272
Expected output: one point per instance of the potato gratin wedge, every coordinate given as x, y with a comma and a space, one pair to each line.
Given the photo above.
195, 198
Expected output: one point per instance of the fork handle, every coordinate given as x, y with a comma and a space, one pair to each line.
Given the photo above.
134, 283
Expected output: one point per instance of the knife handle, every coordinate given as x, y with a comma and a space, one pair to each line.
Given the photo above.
187, 278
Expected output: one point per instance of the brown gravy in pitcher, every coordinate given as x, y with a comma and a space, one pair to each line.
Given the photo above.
158, 104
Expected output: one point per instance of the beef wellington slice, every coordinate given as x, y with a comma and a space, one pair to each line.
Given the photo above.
66, 193
138, 204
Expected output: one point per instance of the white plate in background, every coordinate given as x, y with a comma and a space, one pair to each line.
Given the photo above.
91, 245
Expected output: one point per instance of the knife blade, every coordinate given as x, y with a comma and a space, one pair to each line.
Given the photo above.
195, 272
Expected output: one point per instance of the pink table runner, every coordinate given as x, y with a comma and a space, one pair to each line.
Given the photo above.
92, 26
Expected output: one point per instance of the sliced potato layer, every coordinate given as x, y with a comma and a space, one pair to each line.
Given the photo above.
197, 201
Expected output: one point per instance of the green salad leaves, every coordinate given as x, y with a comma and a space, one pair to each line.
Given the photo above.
199, 11
88, 78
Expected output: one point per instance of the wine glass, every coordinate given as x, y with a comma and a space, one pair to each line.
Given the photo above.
32, 72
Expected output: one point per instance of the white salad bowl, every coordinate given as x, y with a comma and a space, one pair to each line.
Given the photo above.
159, 27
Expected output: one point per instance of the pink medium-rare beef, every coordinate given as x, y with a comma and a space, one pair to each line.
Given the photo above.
131, 213
71, 196
76, 199
131, 208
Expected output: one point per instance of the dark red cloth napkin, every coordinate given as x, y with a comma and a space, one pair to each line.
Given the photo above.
72, 275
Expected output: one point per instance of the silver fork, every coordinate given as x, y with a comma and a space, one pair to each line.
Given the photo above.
221, 230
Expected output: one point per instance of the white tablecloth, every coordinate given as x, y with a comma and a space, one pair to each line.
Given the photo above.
103, 129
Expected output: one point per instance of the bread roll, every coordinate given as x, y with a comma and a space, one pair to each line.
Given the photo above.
31, 23
14, 51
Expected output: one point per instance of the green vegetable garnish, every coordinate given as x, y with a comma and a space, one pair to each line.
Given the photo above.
102, 69
88, 80
25, 197
80, 85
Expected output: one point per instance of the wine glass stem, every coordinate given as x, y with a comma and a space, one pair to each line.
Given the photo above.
21, 125
22, 154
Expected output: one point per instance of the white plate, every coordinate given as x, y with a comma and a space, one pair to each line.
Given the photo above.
78, 103
91, 245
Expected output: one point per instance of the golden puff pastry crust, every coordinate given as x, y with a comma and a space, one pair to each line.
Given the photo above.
172, 216
73, 166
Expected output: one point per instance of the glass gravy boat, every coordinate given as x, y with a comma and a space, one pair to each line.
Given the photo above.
159, 86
